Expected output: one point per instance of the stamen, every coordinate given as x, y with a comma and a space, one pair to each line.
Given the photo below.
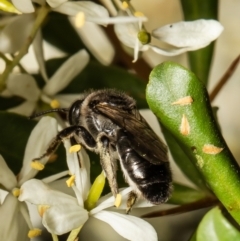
37, 165
138, 14
118, 200
42, 209
16, 192
55, 104
34, 233
75, 148
80, 19
125, 5
70, 181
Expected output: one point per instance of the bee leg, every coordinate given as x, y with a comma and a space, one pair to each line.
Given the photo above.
108, 163
67, 133
132, 197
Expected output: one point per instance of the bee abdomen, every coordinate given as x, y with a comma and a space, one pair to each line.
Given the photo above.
153, 181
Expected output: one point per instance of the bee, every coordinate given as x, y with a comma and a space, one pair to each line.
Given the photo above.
108, 123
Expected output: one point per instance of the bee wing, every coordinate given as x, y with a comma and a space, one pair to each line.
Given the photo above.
142, 137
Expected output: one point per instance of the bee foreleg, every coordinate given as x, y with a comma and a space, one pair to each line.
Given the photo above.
132, 197
108, 163
67, 133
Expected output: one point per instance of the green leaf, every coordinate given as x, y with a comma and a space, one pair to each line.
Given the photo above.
15, 130
200, 60
183, 194
215, 227
182, 160
195, 129
59, 32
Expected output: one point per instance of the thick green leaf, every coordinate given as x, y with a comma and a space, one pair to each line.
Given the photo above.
200, 60
215, 227
97, 76
182, 159
195, 129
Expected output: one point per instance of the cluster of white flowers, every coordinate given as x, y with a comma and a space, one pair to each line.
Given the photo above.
62, 213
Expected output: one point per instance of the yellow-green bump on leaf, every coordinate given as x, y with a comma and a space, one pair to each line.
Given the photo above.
184, 127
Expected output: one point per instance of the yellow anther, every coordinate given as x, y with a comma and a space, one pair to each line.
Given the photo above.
16, 192
80, 19
70, 181
184, 127
138, 14
125, 5
42, 209
118, 200
34, 233
37, 165
55, 104
75, 148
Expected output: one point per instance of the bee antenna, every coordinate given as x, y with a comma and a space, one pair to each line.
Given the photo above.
64, 110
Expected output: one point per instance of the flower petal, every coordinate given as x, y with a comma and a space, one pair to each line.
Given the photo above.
60, 219
23, 85
67, 72
82, 174
66, 100
37, 192
26, 108
12, 226
38, 141
10, 39
189, 34
63, 213
7, 178
102, 45
38, 50
25, 6
55, 3
131, 228
127, 33
90, 9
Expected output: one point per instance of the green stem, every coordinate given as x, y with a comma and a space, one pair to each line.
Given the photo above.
203, 203
43, 11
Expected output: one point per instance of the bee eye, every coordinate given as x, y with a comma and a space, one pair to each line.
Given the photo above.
74, 112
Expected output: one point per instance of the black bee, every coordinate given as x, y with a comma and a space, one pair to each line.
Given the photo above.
108, 123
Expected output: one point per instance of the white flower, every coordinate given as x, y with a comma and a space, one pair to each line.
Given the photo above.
24, 85
183, 36
16, 222
62, 213
92, 12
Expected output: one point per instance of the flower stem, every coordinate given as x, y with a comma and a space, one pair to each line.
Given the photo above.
199, 204
43, 11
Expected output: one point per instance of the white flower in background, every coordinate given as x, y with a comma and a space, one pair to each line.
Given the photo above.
182, 36
62, 213
25, 86
15, 221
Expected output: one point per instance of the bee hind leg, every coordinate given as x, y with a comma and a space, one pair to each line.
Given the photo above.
132, 197
108, 162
